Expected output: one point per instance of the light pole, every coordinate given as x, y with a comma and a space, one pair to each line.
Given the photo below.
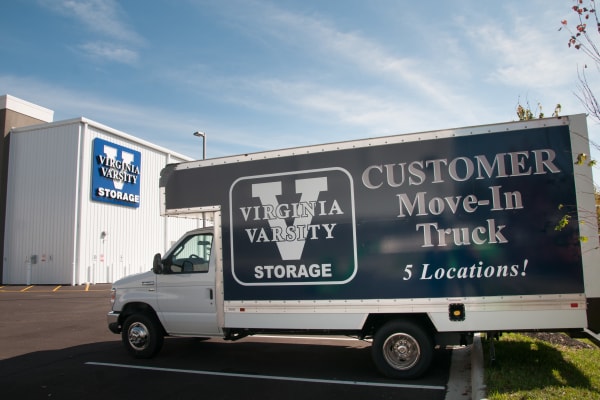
203, 136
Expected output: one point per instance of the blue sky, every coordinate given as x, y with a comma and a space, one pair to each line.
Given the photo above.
258, 75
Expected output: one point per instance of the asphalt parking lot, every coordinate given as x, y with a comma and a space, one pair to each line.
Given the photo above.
54, 343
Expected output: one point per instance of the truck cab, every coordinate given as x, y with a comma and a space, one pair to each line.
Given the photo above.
177, 297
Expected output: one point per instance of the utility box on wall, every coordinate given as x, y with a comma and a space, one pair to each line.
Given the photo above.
83, 201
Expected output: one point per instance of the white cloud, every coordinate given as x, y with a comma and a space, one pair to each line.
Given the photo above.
100, 16
110, 51
105, 19
379, 90
524, 54
321, 38
401, 81
371, 112
164, 127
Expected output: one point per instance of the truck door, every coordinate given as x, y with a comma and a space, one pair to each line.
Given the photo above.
186, 288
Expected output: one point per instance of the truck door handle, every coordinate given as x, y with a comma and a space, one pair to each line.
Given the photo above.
148, 283
210, 294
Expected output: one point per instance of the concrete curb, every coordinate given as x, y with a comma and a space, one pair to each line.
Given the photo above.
478, 388
466, 380
459, 380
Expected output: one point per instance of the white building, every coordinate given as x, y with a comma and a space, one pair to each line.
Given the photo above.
82, 204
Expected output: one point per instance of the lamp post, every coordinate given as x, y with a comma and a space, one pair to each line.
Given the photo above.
203, 136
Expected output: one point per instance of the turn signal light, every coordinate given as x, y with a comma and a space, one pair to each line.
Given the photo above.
456, 312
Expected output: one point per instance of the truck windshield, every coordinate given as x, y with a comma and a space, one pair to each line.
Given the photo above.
191, 255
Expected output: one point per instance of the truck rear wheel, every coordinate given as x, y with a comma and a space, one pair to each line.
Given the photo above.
402, 349
142, 335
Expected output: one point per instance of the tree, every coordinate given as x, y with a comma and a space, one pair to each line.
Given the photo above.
583, 39
597, 194
525, 114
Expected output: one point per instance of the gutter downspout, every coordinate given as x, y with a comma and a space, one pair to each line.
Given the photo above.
76, 226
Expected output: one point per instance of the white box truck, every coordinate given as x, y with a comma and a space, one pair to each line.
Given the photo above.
410, 241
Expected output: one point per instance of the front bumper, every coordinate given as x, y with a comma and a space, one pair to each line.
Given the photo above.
113, 322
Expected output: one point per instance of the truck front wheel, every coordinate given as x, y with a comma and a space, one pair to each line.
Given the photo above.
402, 349
142, 335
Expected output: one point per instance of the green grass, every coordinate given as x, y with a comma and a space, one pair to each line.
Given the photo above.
532, 369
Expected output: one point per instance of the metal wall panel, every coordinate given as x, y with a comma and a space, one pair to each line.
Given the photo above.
40, 202
52, 217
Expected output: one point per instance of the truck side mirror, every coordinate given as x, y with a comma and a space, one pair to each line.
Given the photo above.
157, 266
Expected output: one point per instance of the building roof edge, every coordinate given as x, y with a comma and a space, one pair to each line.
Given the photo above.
26, 108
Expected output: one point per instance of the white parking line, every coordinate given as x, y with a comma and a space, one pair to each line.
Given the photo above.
270, 377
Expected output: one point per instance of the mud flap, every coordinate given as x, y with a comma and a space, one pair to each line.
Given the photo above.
593, 314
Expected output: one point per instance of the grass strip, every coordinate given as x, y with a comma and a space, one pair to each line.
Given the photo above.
529, 368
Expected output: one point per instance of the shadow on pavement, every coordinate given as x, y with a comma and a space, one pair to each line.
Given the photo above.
66, 374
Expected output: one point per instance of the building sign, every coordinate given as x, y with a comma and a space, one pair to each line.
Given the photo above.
116, 174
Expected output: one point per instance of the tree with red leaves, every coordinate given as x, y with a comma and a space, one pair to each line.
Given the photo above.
582, 38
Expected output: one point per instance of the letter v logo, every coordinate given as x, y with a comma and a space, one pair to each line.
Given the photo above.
309, 190
127, 158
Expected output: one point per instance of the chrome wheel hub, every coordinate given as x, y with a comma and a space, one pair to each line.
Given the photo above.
401, 351
138, 336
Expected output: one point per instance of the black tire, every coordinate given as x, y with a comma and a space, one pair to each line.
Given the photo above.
142, 335
402, 350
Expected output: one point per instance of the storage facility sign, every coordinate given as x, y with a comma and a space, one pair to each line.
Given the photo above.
116, 174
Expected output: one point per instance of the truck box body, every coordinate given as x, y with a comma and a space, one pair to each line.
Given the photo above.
403, 223
454, 231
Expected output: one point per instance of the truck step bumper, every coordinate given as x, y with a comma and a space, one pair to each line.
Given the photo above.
113, 322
